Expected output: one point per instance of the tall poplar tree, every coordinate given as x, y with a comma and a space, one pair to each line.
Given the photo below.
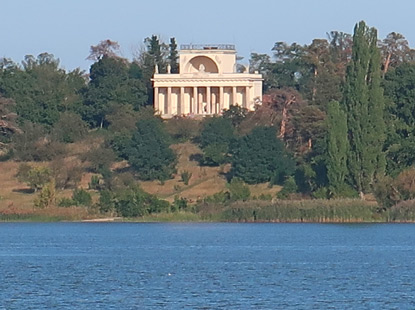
363, 102
337, 147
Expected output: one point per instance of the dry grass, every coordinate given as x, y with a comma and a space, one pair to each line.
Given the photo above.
205, 181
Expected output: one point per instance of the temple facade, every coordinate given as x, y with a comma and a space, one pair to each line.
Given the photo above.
207, 83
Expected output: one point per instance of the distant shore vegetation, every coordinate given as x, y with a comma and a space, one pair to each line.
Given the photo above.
333, 139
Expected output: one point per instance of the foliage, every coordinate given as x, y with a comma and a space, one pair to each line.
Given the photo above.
238, 190
134, 202
69, 128
216, 130
34, 177
186, 176
183, 129
289, 187
215, 154
148, 150
112, 80
364, 106
66, 173
179, 204
46, 197
337, 147
81, 197
235, 114
399, 85
260, 157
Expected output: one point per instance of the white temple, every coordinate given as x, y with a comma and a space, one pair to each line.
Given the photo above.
207, 83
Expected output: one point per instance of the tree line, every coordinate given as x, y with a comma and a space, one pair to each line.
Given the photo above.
336, 120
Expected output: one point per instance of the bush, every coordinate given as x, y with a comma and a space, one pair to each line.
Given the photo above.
66, 202
186, 176
34, 177
81, 197
215, 154
70, 128
134, 202
46, 197
95, 183
67, 173
183, 129
289, 187
238, 190
260, 157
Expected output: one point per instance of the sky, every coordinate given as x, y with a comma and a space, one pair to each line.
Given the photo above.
68, 28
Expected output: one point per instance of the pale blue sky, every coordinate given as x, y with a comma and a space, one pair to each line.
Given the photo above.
68, 28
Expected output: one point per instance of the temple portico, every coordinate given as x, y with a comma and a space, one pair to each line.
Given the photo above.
206, 85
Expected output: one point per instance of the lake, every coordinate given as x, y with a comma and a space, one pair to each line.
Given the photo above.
206, 266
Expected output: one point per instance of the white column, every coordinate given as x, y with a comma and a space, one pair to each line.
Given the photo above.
220, 99
233, 95
169, 107
208, 100
195, 100
156, 100
181, 101
247, 97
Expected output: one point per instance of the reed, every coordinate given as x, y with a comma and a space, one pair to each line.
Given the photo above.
318, 210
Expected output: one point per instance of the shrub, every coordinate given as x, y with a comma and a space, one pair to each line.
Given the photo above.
183, 129
66, 202
69, 128
46, 197
289, 187
186, 176
34, 177
81, 197
238, 190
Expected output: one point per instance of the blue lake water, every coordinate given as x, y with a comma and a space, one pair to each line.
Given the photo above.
206, 266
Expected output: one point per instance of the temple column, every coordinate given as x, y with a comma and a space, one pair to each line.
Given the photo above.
156, 100
220, 99
182, 110
208, 101
247, 96
233, 95
169, 107
194, 105
200, 109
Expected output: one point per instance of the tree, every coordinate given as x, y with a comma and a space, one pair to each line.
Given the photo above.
153, 55
173, 56
69, 128
260, 157
215, 137
399, 85
148, 150
105, 48
35, 177
337, 147
395, 50
112, 80
364, 106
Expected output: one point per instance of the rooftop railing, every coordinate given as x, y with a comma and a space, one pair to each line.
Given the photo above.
207, 47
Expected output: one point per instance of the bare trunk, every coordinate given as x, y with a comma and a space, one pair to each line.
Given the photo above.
285, 117
387, 63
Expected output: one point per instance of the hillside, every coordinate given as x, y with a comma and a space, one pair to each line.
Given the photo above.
205, 181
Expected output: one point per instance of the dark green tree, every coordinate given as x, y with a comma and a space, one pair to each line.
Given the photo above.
363, 102
215, 137
148, 150
112, 80
173, 56
337, 147
260, 157
399, 87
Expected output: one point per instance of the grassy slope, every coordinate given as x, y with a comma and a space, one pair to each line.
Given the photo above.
205, 181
